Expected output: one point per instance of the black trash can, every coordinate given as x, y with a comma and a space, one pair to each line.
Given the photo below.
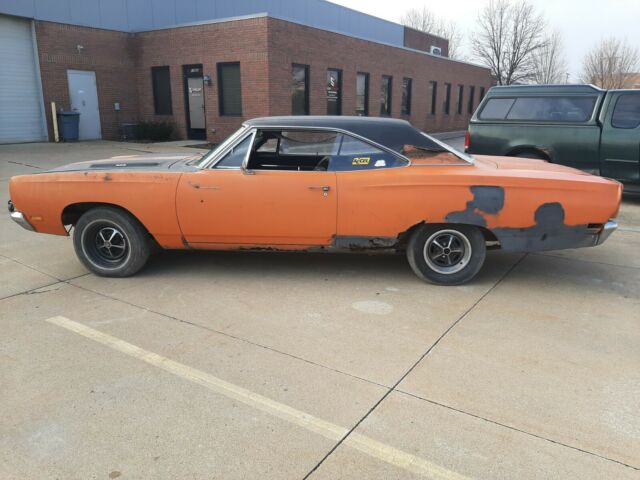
68, 125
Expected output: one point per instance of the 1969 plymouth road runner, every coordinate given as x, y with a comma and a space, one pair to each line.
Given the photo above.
319, 184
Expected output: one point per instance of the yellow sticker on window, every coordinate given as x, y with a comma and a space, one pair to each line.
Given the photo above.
360, 160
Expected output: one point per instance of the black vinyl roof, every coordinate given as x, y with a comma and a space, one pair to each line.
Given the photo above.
389, 132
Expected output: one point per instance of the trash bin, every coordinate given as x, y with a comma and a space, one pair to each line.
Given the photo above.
68, 125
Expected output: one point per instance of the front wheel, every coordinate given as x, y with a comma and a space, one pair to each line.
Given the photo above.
110, 242
446, 254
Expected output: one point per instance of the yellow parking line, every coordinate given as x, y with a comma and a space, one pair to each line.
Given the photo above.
328, 430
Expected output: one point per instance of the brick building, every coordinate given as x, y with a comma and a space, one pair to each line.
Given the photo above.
208, 69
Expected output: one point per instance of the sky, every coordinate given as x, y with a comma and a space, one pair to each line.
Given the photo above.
582, 23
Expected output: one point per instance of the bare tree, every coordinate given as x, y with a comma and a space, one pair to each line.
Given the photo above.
549, 61
426, 21
508, 37
610, 63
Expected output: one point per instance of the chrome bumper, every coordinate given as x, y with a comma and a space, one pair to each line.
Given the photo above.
19, 217
607, 230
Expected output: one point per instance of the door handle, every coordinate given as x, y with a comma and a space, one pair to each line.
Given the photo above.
324, 188
200, 187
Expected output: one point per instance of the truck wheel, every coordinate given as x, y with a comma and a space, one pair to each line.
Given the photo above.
111, 242
446, 254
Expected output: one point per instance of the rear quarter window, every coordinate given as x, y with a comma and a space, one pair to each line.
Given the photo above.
567, 109
627, 112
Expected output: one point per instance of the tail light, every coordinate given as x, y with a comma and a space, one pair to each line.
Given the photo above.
467, 141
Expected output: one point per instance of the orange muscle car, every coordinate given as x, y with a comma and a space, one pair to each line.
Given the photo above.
319, 184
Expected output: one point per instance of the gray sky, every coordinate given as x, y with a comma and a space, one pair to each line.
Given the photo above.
582, 23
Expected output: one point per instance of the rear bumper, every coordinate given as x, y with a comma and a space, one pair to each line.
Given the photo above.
606, 231
19, 217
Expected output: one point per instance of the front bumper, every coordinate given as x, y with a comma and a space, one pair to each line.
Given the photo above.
19, 217
607, 230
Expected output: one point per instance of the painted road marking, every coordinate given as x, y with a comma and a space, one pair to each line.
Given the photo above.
328, 430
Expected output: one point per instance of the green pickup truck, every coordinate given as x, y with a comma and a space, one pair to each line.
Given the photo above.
580, 126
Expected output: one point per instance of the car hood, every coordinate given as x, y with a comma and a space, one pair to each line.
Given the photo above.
146, 162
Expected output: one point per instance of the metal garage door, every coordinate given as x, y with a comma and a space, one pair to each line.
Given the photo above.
21, 107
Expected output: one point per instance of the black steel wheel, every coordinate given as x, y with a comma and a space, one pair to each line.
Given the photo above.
110, 242
446, 254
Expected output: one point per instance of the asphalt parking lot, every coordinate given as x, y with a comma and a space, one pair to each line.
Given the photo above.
256, 365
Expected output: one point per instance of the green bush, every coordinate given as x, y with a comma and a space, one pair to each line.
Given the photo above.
154, 131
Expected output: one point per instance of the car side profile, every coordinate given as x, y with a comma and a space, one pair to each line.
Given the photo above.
580, 126
319, 184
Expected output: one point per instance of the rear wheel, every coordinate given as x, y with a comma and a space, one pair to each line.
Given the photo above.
446, 254
110, 242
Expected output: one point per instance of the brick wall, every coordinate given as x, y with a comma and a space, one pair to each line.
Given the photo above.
423, 41
109, 54
291, 43
265, 48
241, 41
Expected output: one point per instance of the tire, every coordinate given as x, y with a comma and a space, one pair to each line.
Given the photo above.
110, 242
463, 249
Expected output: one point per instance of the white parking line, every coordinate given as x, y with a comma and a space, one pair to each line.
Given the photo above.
328, 430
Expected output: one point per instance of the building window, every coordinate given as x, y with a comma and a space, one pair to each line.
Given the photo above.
334, 92
433, 89
161, 84
460, 98
362, 94
300, 89
447, 98
385, 95
229, 89
481, 94
472, 94
406, 96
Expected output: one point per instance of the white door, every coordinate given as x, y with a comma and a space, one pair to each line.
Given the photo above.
21, 104
83, 93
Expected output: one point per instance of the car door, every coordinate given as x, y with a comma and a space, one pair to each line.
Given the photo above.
232, 205
620, 141
375, 190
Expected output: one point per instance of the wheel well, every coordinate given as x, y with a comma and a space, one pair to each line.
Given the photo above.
538, 152
72, 213
404, 237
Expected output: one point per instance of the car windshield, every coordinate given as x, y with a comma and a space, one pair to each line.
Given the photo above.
222, 145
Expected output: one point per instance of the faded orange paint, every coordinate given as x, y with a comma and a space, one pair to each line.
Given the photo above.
224, 209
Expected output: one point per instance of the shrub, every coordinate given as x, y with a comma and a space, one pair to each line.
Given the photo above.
154, 131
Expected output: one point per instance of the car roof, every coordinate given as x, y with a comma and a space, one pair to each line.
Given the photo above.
388, 132
508, 90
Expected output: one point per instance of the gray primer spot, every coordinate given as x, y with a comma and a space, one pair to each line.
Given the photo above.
486, 200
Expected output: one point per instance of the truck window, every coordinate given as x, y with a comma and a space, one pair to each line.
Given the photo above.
627, 112
552, 109
496, 108
543, 109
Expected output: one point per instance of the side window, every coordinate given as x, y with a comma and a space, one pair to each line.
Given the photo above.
298, 150
235, 157
355, 154
627, 112
496, 108
552, 109
308, 143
